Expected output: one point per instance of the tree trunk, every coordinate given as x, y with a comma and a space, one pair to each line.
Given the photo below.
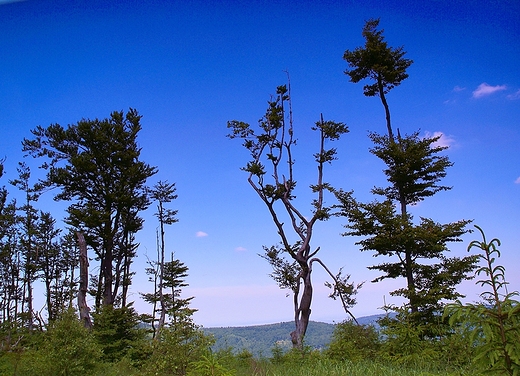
387, 109
84, 310
162, 317
303, 311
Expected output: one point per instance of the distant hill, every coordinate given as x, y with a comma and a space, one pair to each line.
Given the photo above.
261, 339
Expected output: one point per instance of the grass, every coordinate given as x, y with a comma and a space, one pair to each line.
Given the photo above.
326, 367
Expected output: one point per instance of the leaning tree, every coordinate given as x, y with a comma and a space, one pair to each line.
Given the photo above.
271, 148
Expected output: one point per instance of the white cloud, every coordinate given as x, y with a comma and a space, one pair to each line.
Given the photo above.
240, 249
517, 181
514, 96
443, 141
457, 89
485, 89
201, 234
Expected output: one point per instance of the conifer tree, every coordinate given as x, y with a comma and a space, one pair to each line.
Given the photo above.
414, 169
96, 165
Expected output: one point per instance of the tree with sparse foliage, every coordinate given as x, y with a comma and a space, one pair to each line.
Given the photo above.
27, 222
162, 192
414, 169
292, 260
96, 165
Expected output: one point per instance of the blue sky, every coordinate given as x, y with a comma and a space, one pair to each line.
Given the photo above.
189, 67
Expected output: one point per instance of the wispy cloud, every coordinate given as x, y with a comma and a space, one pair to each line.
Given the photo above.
443, 141
458, 89
484, 90
240, 249
514, 96
517, 181
201, 234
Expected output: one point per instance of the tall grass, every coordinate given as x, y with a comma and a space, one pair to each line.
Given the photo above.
327, 367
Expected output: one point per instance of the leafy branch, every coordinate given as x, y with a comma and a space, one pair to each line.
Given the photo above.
494, 324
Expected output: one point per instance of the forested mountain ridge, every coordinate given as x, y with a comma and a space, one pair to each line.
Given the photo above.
261, 339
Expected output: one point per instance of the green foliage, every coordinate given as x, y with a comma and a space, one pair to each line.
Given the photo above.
376, 61
67, 349
175, 349
259, 340
494, 324
418, 251
404, 340
96, 165
116, 331
209, 365
353, 342
414, 167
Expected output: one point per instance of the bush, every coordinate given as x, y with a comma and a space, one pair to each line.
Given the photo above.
176, 348
353, 342
118, 334
67, 349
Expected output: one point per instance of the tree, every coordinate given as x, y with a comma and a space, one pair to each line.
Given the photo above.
117, 331
414, 170
274, 146
96, 164
49, 262
386, 66
171, 304
11, 269
162, 192
27, 244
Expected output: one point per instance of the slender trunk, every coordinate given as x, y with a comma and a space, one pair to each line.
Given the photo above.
408, 263
387, 109
126, 280
84, 310
303, 310
50, 310
162, 317
108, 299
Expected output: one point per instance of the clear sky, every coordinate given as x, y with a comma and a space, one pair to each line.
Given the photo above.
190, 66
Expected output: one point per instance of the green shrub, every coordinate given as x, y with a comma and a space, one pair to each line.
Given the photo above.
176, 348
494, 324
117, 332
353, 342
67, 349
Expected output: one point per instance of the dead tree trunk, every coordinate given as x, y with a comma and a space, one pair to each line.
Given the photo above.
84, 310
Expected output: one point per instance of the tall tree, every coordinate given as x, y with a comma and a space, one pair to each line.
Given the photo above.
273, 146
415, 167
27, 221
163, 193
49, 262
11, 270
385, 66
96, 164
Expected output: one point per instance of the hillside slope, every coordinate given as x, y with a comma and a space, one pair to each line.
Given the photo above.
261, 339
